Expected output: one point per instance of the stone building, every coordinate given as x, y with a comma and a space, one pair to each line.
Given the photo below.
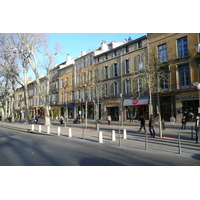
174, 54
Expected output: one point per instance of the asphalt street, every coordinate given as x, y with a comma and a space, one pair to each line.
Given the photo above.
19, 148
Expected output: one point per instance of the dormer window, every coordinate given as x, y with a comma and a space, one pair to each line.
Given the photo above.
127, 49
139, 44
106, 57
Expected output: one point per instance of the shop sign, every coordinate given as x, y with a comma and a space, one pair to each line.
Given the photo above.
188, 97
136, 102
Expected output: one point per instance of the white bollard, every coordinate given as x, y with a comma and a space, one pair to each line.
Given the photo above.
59, 131
32, 127
100, 137
40, 128
48, 129
124, 134
113, 135
70, 132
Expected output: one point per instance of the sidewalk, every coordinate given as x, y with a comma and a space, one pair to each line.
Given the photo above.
135, 140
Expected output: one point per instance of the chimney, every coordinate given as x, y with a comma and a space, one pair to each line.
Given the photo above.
83, 53
104, 46
68, 58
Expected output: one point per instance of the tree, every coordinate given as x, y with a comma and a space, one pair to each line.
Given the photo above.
33, 45
8, 66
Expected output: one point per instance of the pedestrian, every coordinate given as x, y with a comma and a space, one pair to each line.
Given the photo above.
61, 120
184, 121
116, 117
152, 126
109, 119
36, 119
142, 123
163, 124
197, 129
131, 118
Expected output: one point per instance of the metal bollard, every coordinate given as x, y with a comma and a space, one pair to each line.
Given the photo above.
70, 132
179, 143
83, 133
59, 131
113, 135
191, 132
100, 137
146, 141
119, 137
40, 128
32, 128
48, 129
124, 134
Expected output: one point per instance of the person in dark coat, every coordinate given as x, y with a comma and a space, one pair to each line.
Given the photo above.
197, 129
163, 124
184, 121
152, 126
142, 123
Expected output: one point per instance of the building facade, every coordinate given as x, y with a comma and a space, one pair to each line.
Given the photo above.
118, 71
178, 60
124, 79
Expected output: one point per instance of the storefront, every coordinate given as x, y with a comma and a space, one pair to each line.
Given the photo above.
112, 108
187, 105
136, 107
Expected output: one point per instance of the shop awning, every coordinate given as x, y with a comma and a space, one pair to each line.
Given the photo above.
136, 102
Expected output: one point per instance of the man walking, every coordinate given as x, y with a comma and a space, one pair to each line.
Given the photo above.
142, 123
151, 126
183, 123
197, 129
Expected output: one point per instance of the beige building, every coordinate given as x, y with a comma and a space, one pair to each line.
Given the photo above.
66, 88
118, 71
178, 60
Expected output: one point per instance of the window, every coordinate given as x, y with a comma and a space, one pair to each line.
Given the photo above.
66, 81
90, 76
72, 96
106, 89
139, 62
115, 89
62, 83
162, 53
127, 87
184, 75
78, 80
106, 57
182, 47
127, 49
79, 64
164, 81
139, 44
72, 83
115, 53
106, 72
127, 66
84, 79
115, 69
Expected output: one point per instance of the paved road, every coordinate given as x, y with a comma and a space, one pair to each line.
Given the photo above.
23, 149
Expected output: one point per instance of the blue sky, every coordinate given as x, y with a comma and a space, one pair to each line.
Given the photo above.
74, 43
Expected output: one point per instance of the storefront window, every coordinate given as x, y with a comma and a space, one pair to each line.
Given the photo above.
190, 109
